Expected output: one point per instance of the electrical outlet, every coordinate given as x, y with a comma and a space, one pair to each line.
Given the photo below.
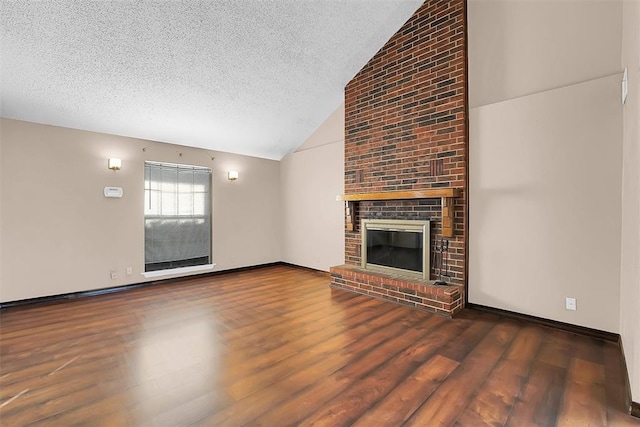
114, 274
129, 271
570, 304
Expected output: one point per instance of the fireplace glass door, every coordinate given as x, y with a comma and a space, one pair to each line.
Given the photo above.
396, 249
401, 246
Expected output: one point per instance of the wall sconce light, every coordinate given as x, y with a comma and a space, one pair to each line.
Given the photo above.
232, 175
115, 164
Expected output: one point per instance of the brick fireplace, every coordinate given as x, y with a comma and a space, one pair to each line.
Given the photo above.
406, 133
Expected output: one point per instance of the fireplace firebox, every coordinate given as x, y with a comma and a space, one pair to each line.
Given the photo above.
397, 246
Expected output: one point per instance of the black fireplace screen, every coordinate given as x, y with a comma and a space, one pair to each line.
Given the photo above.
397, 249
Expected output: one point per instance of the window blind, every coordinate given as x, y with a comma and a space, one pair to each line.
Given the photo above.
177, 216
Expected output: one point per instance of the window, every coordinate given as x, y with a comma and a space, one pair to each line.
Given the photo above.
177, 216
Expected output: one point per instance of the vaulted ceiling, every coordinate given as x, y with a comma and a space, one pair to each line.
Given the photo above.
254, 77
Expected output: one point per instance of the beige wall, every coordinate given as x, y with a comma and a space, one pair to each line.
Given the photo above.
544, 204
545, 158
1, 209
520, 47
329, 132
312, 219
630, 266
60, 234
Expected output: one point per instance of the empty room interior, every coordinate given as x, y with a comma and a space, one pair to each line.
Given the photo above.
323, 212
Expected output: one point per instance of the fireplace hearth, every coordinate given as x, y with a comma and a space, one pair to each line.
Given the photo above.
413, 292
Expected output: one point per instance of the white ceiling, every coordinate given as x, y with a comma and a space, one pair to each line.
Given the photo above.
254, 77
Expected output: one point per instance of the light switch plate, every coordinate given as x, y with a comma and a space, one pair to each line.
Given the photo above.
625, 86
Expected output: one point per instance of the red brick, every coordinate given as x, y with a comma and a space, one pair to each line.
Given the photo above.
415, 102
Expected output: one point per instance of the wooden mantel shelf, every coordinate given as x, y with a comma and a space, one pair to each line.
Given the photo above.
446, 194
400, 195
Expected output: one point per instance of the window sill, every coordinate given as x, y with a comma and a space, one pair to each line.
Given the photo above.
181, 270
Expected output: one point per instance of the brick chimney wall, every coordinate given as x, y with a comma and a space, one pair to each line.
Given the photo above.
406, 125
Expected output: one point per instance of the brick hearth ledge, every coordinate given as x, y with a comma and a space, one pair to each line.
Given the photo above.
419, 293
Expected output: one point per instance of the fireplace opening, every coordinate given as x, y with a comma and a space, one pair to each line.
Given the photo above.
399, 246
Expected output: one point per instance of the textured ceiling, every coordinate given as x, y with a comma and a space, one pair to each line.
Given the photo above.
252, 77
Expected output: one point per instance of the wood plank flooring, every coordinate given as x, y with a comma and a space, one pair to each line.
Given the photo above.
276, 346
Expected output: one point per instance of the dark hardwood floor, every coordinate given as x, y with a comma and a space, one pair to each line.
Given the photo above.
276, 346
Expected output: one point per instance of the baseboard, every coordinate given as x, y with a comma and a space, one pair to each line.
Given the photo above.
112, 289
568, 327
632, 407
310, 269
70, 295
